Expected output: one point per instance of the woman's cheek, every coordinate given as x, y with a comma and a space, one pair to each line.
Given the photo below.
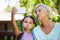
39, 16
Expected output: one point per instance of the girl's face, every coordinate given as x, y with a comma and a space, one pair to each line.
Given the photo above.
41, 13
28, 23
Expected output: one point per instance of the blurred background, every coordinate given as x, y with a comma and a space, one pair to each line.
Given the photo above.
6, 6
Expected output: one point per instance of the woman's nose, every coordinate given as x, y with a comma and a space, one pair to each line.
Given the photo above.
37, 13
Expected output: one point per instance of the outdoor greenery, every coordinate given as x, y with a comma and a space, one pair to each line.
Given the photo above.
30, 4
54, 4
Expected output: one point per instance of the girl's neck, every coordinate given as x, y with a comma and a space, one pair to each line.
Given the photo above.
27, 31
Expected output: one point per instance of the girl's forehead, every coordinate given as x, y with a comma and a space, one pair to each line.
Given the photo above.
28, 19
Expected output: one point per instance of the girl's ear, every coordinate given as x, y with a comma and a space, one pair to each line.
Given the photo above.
33, 25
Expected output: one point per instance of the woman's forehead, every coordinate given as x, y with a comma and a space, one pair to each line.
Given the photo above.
40, 8
41, 5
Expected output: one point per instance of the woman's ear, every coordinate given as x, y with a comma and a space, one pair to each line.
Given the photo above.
47, 13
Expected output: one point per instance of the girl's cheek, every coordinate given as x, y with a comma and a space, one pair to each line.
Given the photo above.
31, 25
23, 24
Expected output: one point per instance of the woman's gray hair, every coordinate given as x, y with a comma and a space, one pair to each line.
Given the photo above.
44, 6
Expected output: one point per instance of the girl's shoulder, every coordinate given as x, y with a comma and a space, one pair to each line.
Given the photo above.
20, 36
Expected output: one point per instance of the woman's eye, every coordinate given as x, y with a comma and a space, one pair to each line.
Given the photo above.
35, 11
39, 10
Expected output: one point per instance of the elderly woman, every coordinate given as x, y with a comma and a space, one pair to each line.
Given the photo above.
47, 30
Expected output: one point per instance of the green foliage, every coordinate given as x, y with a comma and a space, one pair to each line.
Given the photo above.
56, 19
19, 25
47, 2
30, 4
36, 20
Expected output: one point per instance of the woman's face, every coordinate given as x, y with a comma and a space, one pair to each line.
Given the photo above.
41, 13
28, 23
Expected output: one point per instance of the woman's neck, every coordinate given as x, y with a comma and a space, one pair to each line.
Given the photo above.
45, 22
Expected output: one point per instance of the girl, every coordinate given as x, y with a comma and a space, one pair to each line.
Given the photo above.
27, 23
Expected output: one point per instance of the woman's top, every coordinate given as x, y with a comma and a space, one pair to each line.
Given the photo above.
53, 35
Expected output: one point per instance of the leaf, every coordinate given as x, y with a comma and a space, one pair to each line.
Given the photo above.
47, 2
7, 9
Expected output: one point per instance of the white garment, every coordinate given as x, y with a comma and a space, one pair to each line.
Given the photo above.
12, 3
3, 5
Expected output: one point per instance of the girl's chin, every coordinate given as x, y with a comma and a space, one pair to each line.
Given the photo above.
27, 28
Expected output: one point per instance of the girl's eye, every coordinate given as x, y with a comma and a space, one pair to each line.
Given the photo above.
25, 21
30, 22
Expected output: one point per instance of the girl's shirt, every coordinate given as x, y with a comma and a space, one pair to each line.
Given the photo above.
27, 36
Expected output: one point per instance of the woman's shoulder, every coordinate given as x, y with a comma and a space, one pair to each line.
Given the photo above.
57, 24
36, 28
